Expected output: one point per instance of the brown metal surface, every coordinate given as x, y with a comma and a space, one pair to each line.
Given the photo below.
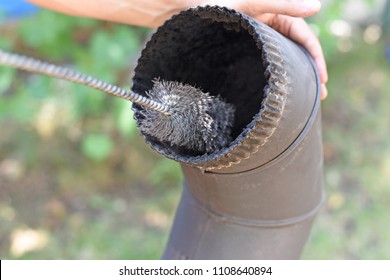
256, 198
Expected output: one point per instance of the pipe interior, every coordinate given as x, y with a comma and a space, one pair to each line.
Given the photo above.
219, 58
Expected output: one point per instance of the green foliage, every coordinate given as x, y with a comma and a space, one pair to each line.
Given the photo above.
125, 121
353, 222
104, 50
320, 23
166, 173
6, 78
63, 127
96, 146
17, 108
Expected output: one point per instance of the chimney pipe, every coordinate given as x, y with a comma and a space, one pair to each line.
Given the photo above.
257, 197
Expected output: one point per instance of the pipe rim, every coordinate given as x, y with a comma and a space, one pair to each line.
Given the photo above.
264, 123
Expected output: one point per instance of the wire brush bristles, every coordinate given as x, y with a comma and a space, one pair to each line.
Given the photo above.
198, 121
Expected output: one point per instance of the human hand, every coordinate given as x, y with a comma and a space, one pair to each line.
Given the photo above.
284, 16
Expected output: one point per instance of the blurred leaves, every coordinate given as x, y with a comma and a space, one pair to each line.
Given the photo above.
320, 24
111, 50
353, 223
96, 146
61, 141
125, 121
104, 50
166, 173
6, 78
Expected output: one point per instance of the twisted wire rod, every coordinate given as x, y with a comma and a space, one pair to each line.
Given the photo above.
37, 66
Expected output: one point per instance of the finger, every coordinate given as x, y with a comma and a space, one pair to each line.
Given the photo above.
295, 8
301, 33
324, 91
298, 30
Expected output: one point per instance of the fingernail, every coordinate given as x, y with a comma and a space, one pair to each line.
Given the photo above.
313, 5
324, 92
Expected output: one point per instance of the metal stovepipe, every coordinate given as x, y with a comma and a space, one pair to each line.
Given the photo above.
256, 198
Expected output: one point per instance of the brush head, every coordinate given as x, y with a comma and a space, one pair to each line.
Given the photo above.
198, 122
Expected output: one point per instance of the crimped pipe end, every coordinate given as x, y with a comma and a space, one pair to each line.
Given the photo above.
227, 54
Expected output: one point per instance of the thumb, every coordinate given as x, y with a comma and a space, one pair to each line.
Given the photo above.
295, 8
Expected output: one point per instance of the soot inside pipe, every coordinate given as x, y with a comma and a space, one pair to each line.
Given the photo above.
219, 58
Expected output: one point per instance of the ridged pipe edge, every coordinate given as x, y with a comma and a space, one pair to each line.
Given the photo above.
264, 123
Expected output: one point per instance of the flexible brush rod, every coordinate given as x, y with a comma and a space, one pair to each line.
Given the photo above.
36, 66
